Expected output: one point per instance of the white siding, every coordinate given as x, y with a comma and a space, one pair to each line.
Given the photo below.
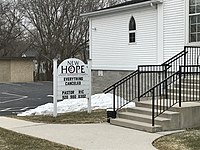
174, 23
110, 41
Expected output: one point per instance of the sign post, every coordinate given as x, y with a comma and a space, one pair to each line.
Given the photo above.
90, 86
72, 80
55, 87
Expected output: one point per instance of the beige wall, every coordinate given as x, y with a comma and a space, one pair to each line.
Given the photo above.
16, 70
21, 71
5, 70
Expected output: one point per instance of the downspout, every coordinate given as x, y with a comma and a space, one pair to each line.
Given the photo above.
90, 38
159, 31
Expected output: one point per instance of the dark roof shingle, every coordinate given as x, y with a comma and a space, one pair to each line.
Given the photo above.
125, 4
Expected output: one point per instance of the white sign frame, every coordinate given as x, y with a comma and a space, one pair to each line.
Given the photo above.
59, 76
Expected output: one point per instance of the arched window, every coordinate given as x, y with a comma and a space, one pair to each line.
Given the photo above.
132, 30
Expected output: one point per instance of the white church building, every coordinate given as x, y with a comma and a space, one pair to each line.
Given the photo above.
141, 32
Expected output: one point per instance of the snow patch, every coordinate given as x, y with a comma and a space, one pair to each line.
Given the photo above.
98, 101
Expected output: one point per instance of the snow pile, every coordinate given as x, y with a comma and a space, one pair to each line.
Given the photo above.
98, 101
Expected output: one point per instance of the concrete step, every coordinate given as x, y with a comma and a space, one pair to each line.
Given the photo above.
190, 91
148, 111
191, 79
184, 97
136, 125
173, 98
188, 85
143, 118
144, 104
148, 104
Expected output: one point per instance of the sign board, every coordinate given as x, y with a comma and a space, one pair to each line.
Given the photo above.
72, 80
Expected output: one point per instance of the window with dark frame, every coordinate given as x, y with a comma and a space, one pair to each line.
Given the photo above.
194, 20
132, 30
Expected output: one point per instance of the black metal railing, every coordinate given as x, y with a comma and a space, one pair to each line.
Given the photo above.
129, 89
137, 84
189, 85
189, 56
149, 76
183, 86
124, 91
158, 73
158, 96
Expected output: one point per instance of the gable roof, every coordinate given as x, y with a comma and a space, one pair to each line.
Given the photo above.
121, 7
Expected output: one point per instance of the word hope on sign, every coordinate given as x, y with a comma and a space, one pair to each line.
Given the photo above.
72, 66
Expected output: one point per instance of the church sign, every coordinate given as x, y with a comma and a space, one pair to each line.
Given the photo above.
72, 80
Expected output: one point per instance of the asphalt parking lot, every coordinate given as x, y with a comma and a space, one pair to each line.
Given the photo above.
19, 97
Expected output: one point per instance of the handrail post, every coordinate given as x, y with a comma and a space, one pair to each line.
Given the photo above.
166, 90
153, 107
185, 57
114, 99
138, 84
180, 72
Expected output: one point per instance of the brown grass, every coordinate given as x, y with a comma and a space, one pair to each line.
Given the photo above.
97, 116
186, 140
14, 141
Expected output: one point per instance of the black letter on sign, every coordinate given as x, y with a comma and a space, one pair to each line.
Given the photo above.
77, 69
62, 69
71, 69
82, 69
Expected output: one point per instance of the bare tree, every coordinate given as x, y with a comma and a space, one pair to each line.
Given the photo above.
11, 31
51, 28
57, 29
